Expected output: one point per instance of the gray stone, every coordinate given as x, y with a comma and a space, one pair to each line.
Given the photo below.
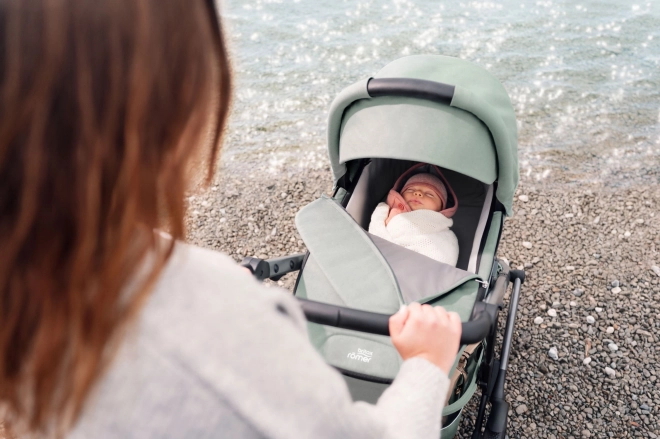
610, 372
522, 408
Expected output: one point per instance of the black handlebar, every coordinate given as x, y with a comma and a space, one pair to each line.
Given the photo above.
411, 88
374, 323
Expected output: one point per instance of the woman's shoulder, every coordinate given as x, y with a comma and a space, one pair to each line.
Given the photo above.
199, 281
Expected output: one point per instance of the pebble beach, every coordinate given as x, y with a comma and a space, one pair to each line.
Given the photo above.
585, 361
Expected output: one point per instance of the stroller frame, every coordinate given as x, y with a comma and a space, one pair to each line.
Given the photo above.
483, 323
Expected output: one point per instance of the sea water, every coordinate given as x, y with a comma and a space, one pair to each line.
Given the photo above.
583, 77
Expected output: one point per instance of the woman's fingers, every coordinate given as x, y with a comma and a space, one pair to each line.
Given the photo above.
398, 321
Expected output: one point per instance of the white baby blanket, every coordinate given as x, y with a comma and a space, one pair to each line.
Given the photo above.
424, 231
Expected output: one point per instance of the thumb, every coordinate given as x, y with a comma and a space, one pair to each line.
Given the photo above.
398, 320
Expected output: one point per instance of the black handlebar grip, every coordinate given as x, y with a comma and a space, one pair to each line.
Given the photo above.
517, 274
411, 88
375, 323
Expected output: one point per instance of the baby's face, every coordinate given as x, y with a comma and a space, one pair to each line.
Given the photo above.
421, 197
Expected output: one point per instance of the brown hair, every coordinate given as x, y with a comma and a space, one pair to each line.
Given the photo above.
102, 106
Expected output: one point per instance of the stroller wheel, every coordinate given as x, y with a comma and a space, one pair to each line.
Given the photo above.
494, 435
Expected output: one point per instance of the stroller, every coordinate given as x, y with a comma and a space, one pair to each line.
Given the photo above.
409, 119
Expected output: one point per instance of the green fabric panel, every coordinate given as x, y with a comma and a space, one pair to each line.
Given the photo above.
348, 259
451, 138
369, 354
507, 151
313, 280
461, 300
488, 254
449, 431
350, 94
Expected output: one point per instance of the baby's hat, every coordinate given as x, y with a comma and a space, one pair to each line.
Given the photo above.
430, 181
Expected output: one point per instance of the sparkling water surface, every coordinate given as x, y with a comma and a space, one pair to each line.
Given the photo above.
583, 77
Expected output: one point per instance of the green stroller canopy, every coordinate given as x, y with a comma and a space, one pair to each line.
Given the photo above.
463, 120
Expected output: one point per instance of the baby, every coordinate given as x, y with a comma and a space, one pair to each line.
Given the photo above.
418, 219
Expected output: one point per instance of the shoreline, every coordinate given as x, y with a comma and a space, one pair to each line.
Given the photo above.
588, 252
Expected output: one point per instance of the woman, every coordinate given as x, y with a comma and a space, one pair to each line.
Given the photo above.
110, 330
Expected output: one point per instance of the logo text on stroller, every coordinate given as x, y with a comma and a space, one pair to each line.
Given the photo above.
361, 355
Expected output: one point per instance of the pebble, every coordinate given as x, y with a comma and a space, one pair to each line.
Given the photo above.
597, 309
655, 269
610, 330
527, 244
573, 304
613, 347
591, 320
616, 290
610, 372
552, 312
522, 408
538, 320
523, 198
552, 353
586, 361
578, 292
615, 283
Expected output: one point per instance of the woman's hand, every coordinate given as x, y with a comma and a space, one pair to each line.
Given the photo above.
427, 332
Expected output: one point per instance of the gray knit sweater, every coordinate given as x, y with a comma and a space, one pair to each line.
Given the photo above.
215, 354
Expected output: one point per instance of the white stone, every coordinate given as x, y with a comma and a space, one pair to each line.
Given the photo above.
572, 303
591, 320
610, 372
527, 244
586, 361
598, 309
523, 198
610, 330
597, 220
223, 220
613, 347
538, 320
627, 234
655, 269
570, 268
552, 312
616, 290
569, 215
552, 353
